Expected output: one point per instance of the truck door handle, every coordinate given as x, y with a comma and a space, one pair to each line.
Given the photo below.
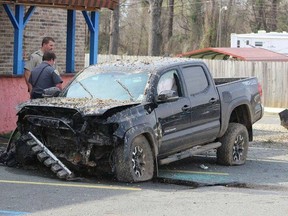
212, 100
185, 108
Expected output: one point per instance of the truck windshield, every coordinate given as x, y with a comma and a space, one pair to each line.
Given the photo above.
109, 85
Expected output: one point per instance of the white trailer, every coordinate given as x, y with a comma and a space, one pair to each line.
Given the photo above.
274, 41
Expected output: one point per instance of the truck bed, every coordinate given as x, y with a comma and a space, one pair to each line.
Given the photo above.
240, 90
224, 80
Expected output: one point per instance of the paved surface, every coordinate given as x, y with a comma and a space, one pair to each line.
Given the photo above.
203, 170
260, 187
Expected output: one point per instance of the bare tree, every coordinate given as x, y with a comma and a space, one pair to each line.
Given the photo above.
227, 26
185, 25
171, 18
282, 16
134, 22
265, 14
155, 34
197, 22
274, 15
210, 24
104, 31
143, 30
114, 31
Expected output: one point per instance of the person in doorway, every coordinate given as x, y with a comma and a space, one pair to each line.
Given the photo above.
48, 44
43, 76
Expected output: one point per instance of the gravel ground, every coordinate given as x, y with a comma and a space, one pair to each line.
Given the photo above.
270, 134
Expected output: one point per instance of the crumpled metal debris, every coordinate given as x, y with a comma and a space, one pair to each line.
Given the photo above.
202, 166
8, 158
3, 156
85, 106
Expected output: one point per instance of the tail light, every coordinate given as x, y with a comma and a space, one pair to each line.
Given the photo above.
260, 89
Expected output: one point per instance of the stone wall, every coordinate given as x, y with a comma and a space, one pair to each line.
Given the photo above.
44, 22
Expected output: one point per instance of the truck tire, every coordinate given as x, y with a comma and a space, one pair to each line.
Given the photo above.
234, 148
139, 165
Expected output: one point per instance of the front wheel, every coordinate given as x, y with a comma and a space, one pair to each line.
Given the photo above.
234, 148
139, 165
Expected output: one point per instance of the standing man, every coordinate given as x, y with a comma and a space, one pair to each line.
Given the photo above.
48, 44
43, 76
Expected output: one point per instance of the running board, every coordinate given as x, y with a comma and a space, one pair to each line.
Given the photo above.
189, 153
48, 158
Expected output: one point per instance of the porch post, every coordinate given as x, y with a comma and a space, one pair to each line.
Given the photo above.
70, 44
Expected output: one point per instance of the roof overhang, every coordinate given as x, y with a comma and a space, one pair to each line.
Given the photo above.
87, 5
209, 53
242, 54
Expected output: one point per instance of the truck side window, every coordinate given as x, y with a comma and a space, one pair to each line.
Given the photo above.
195, 78
169, 81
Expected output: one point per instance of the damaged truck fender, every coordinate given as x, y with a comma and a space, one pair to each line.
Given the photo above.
149, 134
135, 160
237, 112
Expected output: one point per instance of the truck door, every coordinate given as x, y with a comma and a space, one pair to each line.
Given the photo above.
205, 103
173, 117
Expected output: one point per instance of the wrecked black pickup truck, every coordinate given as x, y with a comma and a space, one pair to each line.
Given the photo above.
132, 117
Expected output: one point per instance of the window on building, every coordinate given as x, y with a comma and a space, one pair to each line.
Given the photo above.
258, 44
238, 43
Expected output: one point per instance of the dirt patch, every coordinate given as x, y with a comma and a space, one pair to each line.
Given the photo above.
270, 135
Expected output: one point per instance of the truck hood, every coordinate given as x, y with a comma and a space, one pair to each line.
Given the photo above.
85, 106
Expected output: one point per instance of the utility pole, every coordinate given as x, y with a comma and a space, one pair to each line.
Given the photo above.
219, 32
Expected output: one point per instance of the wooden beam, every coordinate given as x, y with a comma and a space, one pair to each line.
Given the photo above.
88, 5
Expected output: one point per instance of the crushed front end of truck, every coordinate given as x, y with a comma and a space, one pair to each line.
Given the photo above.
78, 132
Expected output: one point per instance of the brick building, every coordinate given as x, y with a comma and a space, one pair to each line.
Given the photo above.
44, 22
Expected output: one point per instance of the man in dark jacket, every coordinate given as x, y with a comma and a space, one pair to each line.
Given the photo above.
43, 76
48, 44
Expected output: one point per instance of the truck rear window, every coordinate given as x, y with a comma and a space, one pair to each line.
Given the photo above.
196, 79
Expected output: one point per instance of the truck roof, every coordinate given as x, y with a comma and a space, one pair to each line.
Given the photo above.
149, 64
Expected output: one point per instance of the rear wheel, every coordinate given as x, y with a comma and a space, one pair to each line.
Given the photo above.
139, 165
234, 148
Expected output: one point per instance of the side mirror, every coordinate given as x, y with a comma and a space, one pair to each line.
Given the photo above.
51, 92
167, 95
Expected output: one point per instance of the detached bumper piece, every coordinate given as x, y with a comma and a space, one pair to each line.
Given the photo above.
284, 118
46, 157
